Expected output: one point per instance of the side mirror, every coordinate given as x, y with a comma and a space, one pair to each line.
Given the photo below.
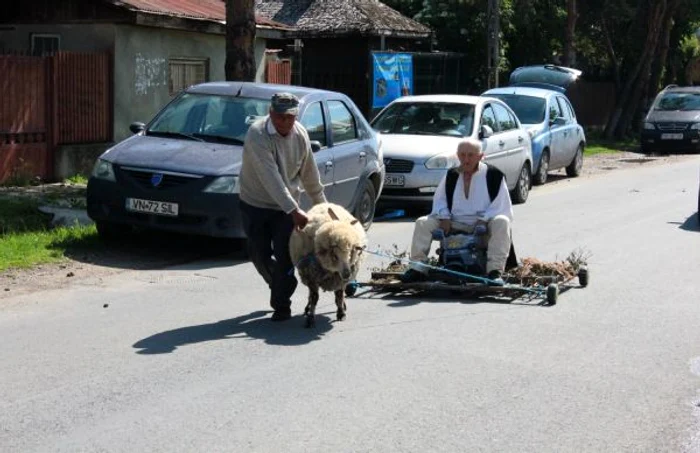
137, 127
485, 132
315, 145
558, 121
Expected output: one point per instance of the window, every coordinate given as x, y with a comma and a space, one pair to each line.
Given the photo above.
554, 111
505, 121
187, 72
488, 118
565, 112
314, 123
342, 123
45, 44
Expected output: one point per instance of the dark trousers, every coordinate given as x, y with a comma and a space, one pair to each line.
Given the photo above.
268, 232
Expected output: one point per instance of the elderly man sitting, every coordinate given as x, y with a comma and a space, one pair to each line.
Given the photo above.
469, 194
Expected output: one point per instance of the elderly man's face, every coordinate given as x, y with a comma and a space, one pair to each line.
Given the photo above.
469, 157
283, 122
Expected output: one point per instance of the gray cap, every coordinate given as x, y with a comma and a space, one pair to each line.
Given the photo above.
285, 103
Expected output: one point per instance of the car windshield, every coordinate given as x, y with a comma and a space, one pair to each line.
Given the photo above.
529, 109
207, 117
426, 118
679, 101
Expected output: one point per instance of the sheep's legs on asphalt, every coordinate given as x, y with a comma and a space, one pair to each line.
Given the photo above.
310, 310
340, 303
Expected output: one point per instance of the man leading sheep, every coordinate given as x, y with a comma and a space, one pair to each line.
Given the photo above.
277, 160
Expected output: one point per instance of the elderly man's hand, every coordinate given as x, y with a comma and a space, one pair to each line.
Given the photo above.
446, 225
299, 218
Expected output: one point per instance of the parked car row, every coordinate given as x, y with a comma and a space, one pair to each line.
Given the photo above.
180, 171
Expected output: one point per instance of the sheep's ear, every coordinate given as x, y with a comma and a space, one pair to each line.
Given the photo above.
354, 222
332, 214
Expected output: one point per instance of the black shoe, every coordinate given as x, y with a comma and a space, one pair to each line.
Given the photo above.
496, 278
412, 276
281, 315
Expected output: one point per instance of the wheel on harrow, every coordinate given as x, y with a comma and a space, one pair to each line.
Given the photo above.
351, 289
552, 294
583, 277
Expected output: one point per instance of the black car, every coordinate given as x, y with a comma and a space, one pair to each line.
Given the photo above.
673, 122
180, 172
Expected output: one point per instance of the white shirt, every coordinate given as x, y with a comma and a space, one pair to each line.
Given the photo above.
478, 206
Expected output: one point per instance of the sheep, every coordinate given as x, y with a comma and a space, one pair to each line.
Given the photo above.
327, 252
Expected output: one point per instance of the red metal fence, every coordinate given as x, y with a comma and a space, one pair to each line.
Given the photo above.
47, 101
82, 91
23, 117
279, 71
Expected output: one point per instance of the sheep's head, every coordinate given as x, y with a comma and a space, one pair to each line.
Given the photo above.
338, 247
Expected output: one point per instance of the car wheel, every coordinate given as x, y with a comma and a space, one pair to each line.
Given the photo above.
112, 231
522, 187
540, 177
574, 168
364, 209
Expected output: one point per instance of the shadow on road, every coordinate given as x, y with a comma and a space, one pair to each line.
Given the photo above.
690, 224
149, 250
408, 299
254, 325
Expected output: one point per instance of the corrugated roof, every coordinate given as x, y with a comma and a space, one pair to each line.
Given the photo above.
334, 17
208, 10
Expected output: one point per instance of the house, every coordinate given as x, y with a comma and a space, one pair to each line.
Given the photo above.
150, 49
332, 41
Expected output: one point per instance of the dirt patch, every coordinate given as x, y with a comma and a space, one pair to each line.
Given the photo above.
157, 251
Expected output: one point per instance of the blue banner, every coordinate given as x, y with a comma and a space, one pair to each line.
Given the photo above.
393, 77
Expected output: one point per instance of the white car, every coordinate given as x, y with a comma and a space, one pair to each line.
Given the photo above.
420, 136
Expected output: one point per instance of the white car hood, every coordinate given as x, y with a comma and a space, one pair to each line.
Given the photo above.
417, 147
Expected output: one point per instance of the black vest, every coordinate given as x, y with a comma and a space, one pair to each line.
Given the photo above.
494, 176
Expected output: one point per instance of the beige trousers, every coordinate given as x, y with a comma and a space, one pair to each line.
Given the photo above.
498, 241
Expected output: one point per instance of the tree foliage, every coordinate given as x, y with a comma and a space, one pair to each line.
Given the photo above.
639, 45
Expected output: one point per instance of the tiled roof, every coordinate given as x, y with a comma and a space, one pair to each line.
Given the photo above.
336, 17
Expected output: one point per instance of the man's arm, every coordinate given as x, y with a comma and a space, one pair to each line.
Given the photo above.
268, 171
310, 178
501, 205
440, 208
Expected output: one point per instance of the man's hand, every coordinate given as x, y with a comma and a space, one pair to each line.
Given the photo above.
299, 218
446, 225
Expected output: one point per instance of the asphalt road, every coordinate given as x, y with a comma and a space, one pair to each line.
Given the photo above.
186, 359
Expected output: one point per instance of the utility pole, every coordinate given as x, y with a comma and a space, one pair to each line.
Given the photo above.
493, 31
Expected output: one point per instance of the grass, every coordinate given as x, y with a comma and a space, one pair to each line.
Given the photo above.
597, 144
76, 179
27, 239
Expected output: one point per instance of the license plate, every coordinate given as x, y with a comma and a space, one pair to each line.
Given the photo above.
152, 207
671, 136
394, 180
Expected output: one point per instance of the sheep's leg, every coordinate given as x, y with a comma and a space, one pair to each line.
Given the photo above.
310, 310
340, 303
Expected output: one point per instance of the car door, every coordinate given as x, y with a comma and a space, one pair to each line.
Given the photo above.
314, 120
494, 153
349, 155
556, 131
572, 134
511, 140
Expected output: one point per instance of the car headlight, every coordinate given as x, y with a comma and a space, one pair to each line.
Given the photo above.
223, 184
649, 126
103, 170
695, 127
441, 161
